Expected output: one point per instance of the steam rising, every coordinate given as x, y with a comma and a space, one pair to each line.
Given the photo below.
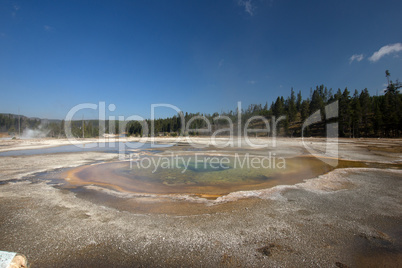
40, 132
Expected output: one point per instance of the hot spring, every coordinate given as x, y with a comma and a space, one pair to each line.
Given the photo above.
204, 175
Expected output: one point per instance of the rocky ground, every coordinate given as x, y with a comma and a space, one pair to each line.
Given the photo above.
346, 218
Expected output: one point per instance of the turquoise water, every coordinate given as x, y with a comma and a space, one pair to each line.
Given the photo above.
200, 175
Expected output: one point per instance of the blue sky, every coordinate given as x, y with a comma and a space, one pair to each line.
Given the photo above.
201, 56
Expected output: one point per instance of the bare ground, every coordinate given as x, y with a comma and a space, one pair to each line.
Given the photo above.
346, 218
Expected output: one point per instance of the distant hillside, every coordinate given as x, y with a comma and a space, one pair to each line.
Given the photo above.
11, 123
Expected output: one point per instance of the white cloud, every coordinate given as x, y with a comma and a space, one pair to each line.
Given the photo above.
356, 57
252, 82
385, 50
248, 6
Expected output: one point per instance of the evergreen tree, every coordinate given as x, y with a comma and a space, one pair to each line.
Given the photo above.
345, 114
299, 100
356, 115
365, 104
305, 109
392, 108
278, 108
292, 111
317, 102
378, 120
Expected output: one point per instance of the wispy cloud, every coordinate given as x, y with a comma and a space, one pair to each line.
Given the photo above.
385, 50
15, 8
221, 62
48, 28
248, 6
252, 82
356, 57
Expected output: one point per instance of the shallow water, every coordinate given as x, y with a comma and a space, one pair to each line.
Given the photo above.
195, 175
185, 189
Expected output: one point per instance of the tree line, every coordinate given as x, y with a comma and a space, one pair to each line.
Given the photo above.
360, 115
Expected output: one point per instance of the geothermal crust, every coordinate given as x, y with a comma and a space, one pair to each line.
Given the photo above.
346, 217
